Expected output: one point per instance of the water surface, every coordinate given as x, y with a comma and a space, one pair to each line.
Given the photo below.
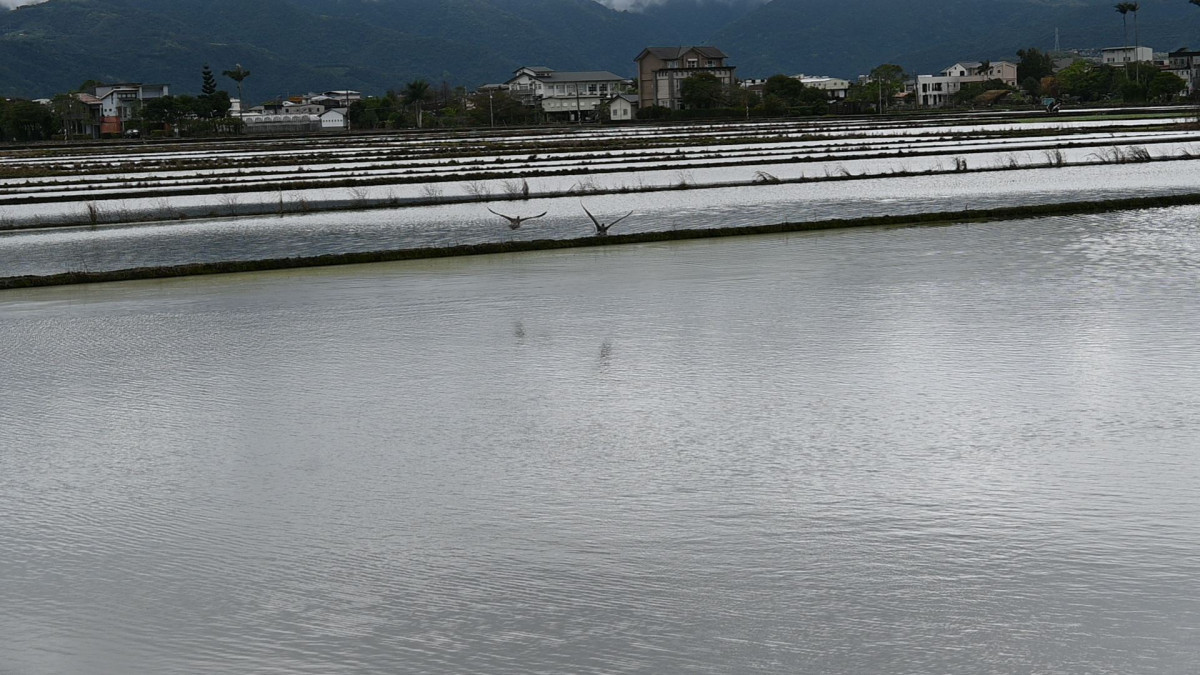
958, 449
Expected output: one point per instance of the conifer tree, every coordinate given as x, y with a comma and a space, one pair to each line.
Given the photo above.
209, 86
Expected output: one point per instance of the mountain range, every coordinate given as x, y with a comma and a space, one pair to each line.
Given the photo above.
295, 46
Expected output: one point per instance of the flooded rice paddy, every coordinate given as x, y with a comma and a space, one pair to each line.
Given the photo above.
929, 450
101, 208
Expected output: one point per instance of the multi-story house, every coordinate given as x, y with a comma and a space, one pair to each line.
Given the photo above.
937, 90
661, 71
1119, 56
835, 88
120, 103
565, 94
1186, 64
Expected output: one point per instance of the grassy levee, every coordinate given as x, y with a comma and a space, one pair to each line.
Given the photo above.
941, 218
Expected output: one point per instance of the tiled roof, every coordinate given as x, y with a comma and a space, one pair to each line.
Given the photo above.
581, 76
670, 53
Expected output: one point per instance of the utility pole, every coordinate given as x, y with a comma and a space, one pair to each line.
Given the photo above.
491, 111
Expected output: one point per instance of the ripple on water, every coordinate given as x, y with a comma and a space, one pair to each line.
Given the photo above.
951, 449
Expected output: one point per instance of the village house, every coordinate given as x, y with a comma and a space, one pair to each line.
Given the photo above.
835, 88
566, 95
119, 103
1119, 56
938, 90
333, 119
280, 123
622, 107
662, 70
1186, 64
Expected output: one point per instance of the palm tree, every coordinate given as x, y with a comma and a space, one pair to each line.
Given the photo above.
414, 92
1134, 7
983, 68
237, 74
1123, 8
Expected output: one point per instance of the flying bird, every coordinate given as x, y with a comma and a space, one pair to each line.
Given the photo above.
514, 222
602, 228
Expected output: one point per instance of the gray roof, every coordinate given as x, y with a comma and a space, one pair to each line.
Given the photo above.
669, 53
581, 76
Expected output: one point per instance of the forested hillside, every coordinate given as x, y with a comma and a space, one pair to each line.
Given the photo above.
373, 45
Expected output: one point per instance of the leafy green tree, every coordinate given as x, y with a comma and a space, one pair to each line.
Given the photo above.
702, 90
771, 106
787, 89
1165, 87
414, 93
215, 105
654, 112
167, 109
22, 121
1087, 81
882, 83
740, 97
1033, 64
70, 112
498, 107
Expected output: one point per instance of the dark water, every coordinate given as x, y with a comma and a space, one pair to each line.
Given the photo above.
968, 449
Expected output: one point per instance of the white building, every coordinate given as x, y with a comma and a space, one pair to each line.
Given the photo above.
346, 96
1119, 56
622, 107
1186, 64
333, 119
938, 90
565, 94
120, 103
276, 123
834, 88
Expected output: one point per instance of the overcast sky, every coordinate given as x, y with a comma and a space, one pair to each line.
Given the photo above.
616, 4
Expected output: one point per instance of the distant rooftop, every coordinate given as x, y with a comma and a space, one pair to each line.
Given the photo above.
670, 53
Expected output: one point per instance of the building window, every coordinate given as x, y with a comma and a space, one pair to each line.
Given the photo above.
692, 63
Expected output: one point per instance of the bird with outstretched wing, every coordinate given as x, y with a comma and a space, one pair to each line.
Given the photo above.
514, 222
602, 228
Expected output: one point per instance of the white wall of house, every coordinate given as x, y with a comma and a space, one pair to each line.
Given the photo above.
125, 100
937, 90
333, 119
836, 88
1119, 56
620, 110
1185, 64
568, 93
